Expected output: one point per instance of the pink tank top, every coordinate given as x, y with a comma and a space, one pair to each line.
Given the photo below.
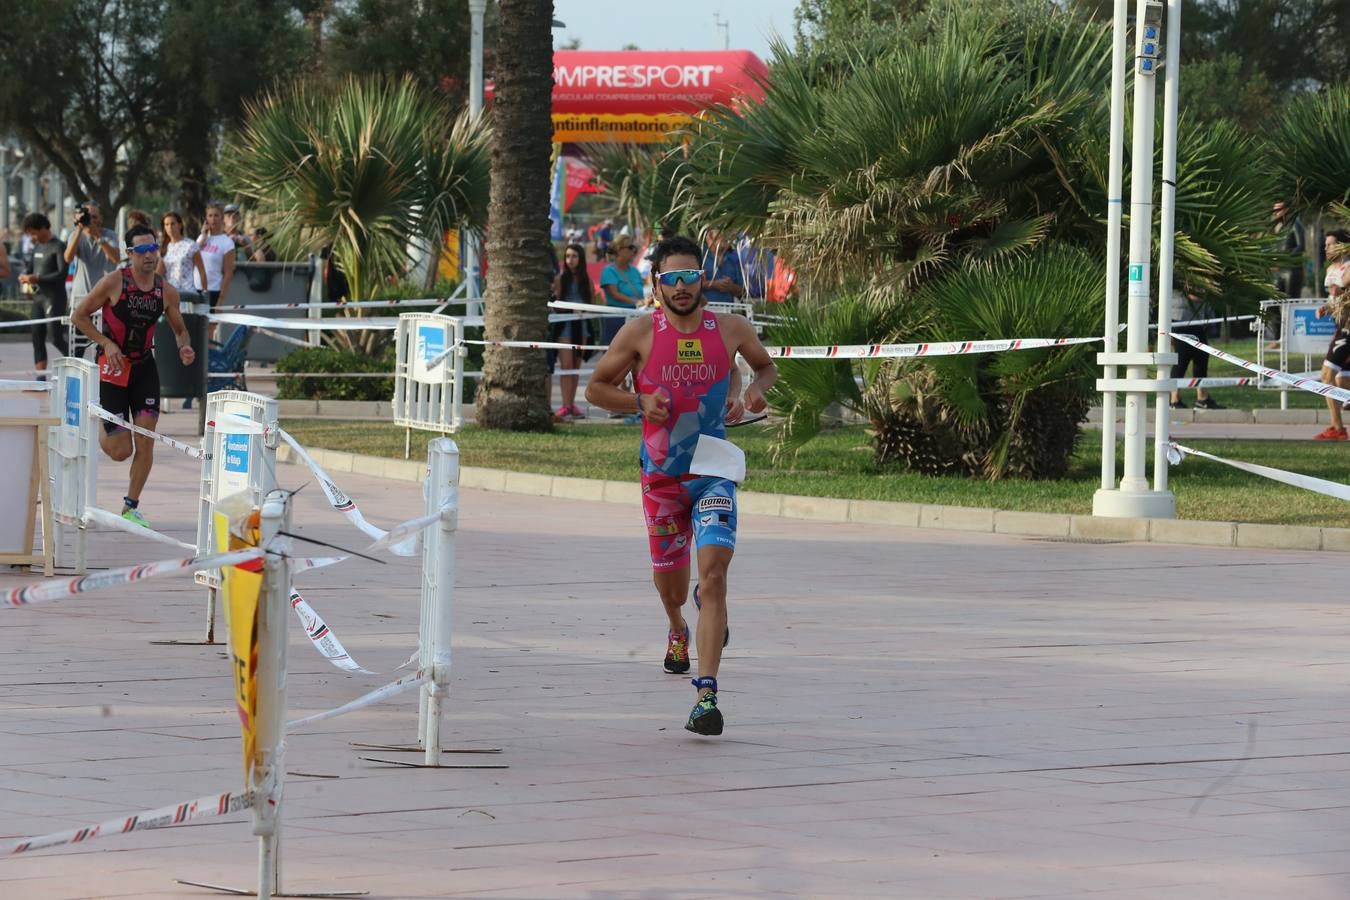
693, 373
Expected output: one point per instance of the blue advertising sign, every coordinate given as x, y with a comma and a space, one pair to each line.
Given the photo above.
236, 452
74, 405
430, 342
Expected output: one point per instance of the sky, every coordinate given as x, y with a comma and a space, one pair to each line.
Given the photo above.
681, 25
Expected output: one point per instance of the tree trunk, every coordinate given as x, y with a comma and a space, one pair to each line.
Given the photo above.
514, 394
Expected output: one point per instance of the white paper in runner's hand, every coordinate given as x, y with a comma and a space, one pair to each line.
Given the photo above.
719, 458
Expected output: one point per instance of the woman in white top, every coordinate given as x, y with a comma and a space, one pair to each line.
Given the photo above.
179, 255
217, 250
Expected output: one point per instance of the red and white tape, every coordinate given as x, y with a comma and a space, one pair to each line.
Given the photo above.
208, 807
106, 519
22, 323
345, 504
11, 385
392, 689
60, 588
354, 304
352, 324
322, 637
194, 452
908, 351
1311, 385
1177, 452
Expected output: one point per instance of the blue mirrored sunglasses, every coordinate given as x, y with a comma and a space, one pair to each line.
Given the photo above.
679, 276
143, 248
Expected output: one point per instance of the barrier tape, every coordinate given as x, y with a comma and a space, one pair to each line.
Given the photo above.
271, 373
413, 527
322, 637
305, 563
1312, 386
599, 310
208, 807
23, 323
60, 588
284, 338
344, 504
907, 351
107, 519
369, 699
194, 452
1178, 452
1214, 321
338, 304
9, 385
353, 324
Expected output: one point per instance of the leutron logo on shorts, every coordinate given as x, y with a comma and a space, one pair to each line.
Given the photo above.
709, 504
689, 350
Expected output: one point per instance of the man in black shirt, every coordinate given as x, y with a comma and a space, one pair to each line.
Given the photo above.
46, 284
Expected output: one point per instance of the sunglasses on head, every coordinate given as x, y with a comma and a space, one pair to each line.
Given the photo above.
141, 249
679, 276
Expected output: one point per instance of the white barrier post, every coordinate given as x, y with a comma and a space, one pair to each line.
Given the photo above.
438, 590
427, 397
71, 449
235, 458
269, 772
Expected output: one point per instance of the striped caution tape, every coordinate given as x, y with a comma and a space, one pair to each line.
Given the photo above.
392, 689
59, 588
209, 807
338, 304
305, 563
1214, 321
322, 637
1311, 385
284, 338
409, 530
11, 385
353, 324
1178, 452
917, 350
194, 452
105, 519
24, 323
345, 504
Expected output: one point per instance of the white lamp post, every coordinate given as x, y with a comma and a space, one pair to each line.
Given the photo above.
1133, 496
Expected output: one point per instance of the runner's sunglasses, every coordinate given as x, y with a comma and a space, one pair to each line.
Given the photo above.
143, 248
679, 276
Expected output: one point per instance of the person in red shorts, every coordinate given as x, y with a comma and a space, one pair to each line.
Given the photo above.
684, 359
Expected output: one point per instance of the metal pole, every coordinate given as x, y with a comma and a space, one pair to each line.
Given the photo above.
1119, 37
472, 251
270, 770
1167, 233
443, 457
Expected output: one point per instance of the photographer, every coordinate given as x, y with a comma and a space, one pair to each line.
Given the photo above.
45, 283
93, 246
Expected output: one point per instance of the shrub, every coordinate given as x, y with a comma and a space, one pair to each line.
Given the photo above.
328, 359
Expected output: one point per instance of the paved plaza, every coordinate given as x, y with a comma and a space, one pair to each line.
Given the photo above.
913, 714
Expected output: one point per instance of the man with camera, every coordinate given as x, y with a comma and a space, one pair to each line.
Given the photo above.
45, 284
94, 248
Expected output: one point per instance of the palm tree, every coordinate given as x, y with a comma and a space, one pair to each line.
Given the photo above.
514, 391
1311, 149
365, 168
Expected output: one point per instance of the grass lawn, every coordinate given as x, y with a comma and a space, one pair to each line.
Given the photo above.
839, 464
1251, 397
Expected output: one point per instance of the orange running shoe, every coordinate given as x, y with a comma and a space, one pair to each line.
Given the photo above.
1332, 433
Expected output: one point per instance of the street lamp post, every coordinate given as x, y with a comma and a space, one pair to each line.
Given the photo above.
472, 242
1133, 497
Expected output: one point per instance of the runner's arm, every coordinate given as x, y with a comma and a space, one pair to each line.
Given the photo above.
226, 276
766, 373
83, 316
186, 354
618, 362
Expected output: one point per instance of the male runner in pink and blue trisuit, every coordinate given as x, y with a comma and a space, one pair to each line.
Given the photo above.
684, 357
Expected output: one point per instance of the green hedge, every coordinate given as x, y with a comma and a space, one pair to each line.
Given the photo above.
327, 359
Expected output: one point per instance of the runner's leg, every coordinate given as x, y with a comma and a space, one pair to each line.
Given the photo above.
713, 561
672, 585
144, 458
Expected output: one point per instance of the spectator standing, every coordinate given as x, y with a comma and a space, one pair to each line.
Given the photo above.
573, 285
217, 252
45, 282
723, 279
181, 258
621, 283
262, 248
1192, 319
91, 250
1334, 368
604, 234
1289, 231
234, 227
